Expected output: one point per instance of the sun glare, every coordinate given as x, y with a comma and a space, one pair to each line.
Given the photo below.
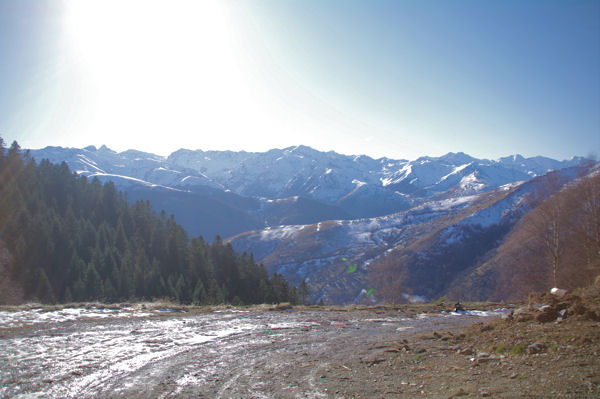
157, 66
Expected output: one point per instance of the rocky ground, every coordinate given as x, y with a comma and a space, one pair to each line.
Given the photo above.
549, 348
378, 352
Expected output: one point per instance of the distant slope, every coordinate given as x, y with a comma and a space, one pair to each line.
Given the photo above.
205, 214
419, 252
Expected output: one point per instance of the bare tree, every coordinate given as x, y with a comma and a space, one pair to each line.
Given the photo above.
544, 225
564, 229
389, 278
584, 221
552, 233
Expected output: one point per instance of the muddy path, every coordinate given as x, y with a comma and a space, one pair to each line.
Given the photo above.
224, 354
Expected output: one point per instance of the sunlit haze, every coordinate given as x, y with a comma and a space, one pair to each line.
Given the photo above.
382, 78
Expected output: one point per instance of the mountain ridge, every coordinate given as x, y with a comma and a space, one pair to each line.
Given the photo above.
342, 186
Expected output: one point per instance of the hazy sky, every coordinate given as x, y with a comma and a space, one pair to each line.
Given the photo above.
383, 78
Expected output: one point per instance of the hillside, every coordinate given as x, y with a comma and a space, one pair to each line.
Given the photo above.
555, 245
418, 254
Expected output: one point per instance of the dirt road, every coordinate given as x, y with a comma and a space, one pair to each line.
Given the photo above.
224, 354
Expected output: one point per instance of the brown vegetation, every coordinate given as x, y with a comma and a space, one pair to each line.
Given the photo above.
555, 244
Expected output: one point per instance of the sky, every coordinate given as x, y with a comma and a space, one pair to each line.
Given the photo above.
400, 79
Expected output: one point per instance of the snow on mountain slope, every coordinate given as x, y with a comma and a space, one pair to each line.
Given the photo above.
128, 167
331, 185
316, 252
434, 263
439, 239
303, 171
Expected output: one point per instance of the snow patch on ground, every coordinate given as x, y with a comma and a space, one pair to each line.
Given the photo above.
281, 232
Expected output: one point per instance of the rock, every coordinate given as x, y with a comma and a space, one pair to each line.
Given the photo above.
559, 292
547, 314
371, 362
523, 314
400, 348
562, 314
536, 347
508, 316
483, 357
446, 337
466, 351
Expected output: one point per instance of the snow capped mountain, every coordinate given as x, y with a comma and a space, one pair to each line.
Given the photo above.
303, 171
338, 186
125, 168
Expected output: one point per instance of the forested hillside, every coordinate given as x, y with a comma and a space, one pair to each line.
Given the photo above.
555, 245
71, 239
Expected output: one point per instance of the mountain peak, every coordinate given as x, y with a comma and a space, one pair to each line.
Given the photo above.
300, 149
457, 158
104, 148
513, 158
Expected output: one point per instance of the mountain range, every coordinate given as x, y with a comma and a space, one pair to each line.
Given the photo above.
227, 193
341, 223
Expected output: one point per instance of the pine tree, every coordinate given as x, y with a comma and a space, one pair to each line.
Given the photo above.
303, 292
215, 296
110, 294
199, 297
44, 291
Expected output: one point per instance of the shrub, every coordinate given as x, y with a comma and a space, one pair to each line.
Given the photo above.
517, 349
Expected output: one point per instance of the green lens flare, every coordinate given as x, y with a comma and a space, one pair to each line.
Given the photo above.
344, 259
351, 268
370, 292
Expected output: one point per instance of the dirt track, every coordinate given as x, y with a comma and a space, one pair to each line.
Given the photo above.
261, 354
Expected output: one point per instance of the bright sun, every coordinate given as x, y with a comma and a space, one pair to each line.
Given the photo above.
154, 66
